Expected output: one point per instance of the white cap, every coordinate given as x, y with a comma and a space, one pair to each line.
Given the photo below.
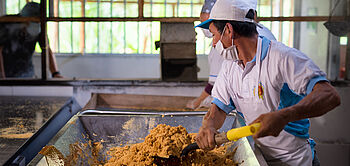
233, 10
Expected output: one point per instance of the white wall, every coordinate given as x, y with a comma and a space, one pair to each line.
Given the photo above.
114, 67
58, 91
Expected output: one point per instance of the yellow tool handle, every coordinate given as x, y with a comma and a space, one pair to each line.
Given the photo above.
237, 133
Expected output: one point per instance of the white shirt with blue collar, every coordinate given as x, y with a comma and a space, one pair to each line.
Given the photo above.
278, 77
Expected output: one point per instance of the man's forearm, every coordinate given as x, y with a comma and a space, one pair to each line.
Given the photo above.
52, 61
203, 95
321, 100
214, 117
212, 121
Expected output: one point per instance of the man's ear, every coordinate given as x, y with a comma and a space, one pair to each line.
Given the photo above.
230, 30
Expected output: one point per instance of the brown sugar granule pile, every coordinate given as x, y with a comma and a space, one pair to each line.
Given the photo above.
77, 154
164, 141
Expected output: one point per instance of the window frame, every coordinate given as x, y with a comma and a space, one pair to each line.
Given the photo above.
52, 17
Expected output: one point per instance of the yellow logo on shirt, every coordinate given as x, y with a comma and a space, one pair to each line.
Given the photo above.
260, 91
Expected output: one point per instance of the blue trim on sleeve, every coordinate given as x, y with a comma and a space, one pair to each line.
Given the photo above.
221, 105
288, 98
213, 76
299, 128
312, 145
313, 82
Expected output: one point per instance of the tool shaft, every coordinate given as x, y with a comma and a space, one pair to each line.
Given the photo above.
237, 133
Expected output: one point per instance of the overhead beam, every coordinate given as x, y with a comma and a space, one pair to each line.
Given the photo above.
162, 19
302, 18
188, 19
136, 2
19, 19
122, 19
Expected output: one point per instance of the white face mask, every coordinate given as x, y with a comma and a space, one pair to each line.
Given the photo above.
229, 53
207, 33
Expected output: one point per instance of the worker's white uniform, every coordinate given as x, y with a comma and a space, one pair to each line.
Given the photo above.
215, 59
276, 78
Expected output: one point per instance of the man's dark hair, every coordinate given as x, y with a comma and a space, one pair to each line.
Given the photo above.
246, 29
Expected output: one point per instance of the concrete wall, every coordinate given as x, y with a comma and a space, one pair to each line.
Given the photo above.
115, 67
332, 134
58, 91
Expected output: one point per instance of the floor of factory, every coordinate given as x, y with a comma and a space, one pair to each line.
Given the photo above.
21, 117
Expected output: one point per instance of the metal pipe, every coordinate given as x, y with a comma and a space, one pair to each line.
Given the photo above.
82, 29
280, 26
177, 10
151, 25
98, 27
58, 25
191, 8
151, 5
347, 56
3, 7
124, 28
85, 27
71, 26
43, 37
259, 5
151, 34
149, 112
138, 37
111, 30
165, 8
19, 5
51, 8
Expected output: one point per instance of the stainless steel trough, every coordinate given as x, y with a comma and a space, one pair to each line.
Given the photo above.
123, 127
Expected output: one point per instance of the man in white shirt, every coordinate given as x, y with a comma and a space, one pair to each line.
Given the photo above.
215, 59
266, 82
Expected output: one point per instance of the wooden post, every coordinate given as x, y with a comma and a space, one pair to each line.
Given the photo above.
43, 37
141, 2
